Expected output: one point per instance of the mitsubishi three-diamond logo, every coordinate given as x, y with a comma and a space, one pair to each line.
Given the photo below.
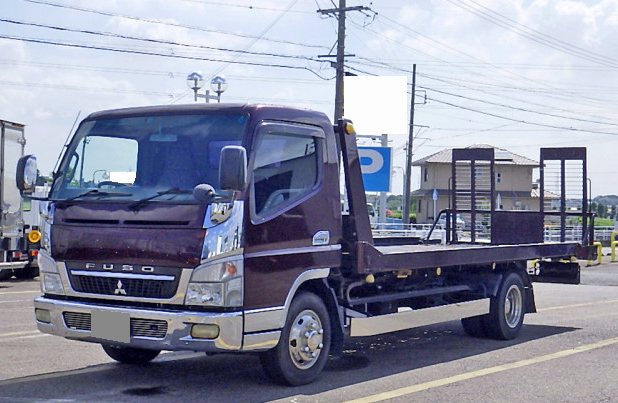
120, 289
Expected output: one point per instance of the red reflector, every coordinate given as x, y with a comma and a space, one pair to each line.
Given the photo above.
34, 253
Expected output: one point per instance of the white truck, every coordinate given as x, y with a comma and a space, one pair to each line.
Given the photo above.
19, 241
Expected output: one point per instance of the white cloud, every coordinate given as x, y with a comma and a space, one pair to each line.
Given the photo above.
462, 59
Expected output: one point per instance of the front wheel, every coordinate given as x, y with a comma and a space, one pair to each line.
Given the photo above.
304, 345
507, 309
130, 355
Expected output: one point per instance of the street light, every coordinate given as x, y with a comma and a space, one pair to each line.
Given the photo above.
196, 81
218, 84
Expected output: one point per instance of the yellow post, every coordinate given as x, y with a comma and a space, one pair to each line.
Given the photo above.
613, 244
599, 253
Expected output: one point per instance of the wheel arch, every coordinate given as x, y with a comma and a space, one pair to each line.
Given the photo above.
520, 267
315, 281
321, 288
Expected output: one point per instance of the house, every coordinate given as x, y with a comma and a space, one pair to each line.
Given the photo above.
513, 183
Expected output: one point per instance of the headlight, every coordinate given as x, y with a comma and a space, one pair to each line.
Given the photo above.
51, 282
46, 263
217, 283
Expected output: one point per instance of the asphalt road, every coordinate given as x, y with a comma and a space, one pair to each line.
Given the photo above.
566, 353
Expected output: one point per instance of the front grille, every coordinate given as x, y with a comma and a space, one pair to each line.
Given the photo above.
139, 327
77, 320
130, 287
148, 328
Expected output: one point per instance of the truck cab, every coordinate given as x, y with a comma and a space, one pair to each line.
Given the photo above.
149, 247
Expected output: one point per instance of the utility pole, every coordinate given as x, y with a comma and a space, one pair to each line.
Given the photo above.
408, 175
340, 58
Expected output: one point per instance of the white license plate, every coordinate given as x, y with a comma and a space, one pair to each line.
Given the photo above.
111, 325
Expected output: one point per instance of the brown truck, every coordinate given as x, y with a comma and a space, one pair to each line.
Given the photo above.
218, 228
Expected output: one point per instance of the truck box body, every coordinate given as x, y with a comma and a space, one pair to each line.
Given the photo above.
16, 252
141, 256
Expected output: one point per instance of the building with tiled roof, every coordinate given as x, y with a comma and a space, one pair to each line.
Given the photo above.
513, 181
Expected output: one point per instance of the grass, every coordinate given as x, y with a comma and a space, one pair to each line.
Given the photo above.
603, 222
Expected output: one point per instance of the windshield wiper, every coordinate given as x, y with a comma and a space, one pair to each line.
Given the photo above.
93, 193
135, 206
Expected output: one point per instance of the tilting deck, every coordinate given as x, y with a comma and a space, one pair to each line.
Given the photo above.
514, 235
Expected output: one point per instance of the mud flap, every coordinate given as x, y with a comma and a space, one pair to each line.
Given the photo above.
555, 272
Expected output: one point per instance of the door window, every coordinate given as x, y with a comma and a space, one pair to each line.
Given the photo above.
285, 166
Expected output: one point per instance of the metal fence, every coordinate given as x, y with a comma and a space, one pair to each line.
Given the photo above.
396, 228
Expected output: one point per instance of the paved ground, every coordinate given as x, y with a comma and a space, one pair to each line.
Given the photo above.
566, 353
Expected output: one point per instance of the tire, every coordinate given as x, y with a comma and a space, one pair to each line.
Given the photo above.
130, 355
304, 345
5, 274
27, 272
474, 326
507, 309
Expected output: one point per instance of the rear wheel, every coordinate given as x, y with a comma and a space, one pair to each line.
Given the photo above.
474, 326
507, 309
130, 355
304, 345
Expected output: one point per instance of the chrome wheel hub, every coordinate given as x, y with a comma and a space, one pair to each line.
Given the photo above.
513, 306
306, 339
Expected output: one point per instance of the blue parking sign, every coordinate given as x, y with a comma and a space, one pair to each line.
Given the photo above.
376, 168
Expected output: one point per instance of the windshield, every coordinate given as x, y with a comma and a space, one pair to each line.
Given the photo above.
138, 157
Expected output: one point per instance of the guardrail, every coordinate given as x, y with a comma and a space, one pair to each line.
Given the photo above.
574, 233
551, 233
395, 229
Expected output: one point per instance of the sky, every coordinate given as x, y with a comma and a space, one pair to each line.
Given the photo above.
519, 74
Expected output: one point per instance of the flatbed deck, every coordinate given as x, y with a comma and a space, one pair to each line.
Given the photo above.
400, 257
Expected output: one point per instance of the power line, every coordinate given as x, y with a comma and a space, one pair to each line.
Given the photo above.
169, 74
520, 108
152, 53
532, 34
510, 107
170, 95
571, 129
248, 7
159, 41
91, 89
167, 23
562, 92
254, 41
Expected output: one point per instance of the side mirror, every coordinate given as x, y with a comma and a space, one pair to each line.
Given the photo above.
233, 168
204, 193
26, 174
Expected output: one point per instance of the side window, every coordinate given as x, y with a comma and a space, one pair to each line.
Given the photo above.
285, 166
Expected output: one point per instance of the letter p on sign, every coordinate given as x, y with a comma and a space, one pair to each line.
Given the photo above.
376, 165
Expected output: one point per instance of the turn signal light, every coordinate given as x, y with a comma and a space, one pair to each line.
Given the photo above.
349, 128
34, 236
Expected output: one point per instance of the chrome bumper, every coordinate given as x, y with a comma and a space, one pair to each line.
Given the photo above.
13, 265
148, 329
